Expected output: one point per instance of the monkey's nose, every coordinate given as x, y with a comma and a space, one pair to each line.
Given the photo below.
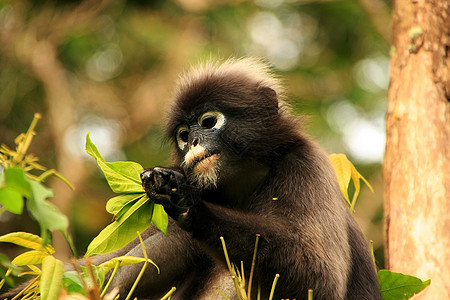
195, 142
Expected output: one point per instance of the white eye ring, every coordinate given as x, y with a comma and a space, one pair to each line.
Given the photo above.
211, 119
182, 136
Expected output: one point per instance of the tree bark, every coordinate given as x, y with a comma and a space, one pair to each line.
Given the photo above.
417, 160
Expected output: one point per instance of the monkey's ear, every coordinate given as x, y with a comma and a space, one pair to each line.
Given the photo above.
269, 94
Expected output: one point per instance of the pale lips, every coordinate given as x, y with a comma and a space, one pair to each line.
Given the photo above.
199, 159
206, 163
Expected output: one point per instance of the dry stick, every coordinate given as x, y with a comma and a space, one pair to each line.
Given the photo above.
77, 268
272, 291
116, 267
94, 282
250, 279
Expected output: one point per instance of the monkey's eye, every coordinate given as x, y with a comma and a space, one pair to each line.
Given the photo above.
211, 119
182, 136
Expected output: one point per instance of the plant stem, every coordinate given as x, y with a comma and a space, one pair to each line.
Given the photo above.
2, 282
272, 291
310, 294
250, 279
224, 246
169, 293
223, 295
116, 267
25, 143
142, 270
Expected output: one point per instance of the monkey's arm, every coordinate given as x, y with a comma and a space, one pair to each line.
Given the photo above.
208, 221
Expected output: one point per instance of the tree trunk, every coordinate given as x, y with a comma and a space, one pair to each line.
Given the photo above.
417, 161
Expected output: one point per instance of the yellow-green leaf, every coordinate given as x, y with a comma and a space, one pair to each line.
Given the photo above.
124, 260
122, 177
343, 172
51, 278
33, 257
26, 240
123, 230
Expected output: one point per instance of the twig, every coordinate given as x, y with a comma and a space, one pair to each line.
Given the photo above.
250, 279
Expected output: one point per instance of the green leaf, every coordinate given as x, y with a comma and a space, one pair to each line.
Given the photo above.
43, 211
33, 257
99, 275
14, 186
396, 286
129, 169
122, 177
72, 283
15, 179
115, 205
12, 200
26, 240
160, 218
124, 229
124, 260
51, 278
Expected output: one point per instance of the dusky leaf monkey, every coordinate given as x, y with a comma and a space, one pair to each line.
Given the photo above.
241, 167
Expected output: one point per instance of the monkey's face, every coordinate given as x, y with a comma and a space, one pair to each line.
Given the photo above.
201, 149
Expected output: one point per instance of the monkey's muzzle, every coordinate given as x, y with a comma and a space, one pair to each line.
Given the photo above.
199, 159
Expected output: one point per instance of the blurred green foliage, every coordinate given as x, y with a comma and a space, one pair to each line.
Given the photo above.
109, 67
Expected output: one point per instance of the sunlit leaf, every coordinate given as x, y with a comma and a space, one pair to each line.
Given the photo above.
33, 257
398, 286
98, 273
343, 172
12, 200
122, 177
13, 187
26, 240
160, 218
15, 179
133, 210
51, 278
124, 260
116, 204
124, 229
72, 283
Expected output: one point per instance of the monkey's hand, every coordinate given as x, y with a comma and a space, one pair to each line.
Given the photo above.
169, 188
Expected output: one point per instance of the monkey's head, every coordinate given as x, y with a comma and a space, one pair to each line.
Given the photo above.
225, 117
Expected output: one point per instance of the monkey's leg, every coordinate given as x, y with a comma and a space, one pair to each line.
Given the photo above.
175, 256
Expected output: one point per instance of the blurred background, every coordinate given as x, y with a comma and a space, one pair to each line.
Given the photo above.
109, 67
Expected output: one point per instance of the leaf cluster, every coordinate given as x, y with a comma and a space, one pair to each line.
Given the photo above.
53, 278
133, 211
17, 184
